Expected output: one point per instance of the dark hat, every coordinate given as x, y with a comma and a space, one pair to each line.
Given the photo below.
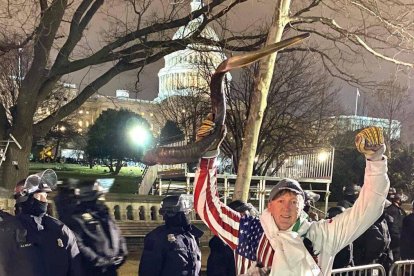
242, 207
286, 184
334, 211
352, 189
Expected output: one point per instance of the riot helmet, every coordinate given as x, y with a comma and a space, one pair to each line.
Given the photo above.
311, 196
352, 190
44, 181
176, 210
171, 205
397, 198
310, 199
85, 190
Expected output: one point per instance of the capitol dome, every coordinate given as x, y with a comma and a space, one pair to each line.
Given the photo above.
188, 70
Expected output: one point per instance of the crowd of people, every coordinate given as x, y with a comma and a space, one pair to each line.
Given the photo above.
385, 241
288, 238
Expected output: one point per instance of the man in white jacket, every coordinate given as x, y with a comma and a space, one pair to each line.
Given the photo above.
274, 241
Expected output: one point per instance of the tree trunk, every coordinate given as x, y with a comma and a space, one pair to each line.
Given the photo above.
12, 173
55, 157
118, 167
258, 105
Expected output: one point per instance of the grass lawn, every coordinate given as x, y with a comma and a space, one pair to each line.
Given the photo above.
125, 182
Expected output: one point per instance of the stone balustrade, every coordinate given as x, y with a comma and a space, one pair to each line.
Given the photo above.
123, 207
131, 207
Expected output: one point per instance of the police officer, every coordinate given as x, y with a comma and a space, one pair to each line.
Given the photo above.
373, 246
42, 242
80, 205
351, 193
395, 217
407, 237
172, 249
221, 260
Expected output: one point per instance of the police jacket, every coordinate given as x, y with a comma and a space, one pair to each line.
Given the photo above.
171, 251
103, 249
12, 259
407, 238
397, 214
29, 251
221, 259
374, 245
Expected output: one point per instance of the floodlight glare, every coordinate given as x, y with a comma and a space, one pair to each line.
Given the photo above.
322, 156
139, 135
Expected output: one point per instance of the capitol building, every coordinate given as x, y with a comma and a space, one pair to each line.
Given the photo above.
188, 71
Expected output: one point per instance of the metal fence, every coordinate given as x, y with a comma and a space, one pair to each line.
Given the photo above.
402, 268
363, 270
316, 168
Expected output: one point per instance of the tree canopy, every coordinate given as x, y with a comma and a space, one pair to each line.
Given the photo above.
117, 136
58, 35
171, 133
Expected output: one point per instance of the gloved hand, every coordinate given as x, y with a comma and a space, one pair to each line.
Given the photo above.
370, 142
118, 260
103, 262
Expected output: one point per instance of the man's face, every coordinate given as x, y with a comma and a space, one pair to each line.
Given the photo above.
285, 209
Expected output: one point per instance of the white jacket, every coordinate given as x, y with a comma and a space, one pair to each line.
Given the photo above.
328, 236
290, 257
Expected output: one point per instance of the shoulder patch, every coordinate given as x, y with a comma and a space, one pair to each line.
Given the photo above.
171, 238
86, 216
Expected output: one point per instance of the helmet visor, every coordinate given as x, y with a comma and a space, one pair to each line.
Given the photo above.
44, 181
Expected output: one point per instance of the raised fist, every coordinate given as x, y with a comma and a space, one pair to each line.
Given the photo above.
370, 142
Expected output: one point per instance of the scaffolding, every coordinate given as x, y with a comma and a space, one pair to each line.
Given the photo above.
4, 146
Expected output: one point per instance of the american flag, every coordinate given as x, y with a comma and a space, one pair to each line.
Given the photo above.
243, 234
250, 233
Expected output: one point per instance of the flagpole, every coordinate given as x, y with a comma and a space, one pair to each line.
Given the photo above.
356, 102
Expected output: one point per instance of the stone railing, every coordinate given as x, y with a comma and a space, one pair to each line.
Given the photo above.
122, 206
144, 208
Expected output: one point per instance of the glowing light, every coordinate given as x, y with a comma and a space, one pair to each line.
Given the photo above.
139, 135
323, 156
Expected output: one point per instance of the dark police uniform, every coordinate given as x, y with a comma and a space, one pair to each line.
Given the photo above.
103, 249
12, 259
171, 251
373, 246
407, 238
27, 251
395, 224
221, 259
